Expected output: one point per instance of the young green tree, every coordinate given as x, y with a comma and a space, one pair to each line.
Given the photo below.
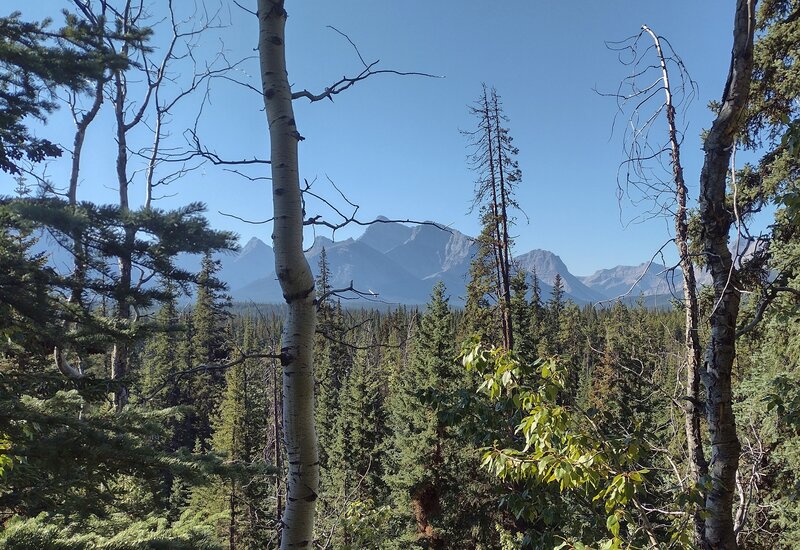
209, 346
422, 448
522, 318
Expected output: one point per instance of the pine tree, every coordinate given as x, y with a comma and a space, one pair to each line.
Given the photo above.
549, 345
161, 358
209, 346
521, 318
332, 364
479, 311
355, 459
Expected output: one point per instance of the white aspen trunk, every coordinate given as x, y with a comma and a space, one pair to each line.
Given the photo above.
297, 284
716, 221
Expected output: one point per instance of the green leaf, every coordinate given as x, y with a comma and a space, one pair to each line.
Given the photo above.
612, 524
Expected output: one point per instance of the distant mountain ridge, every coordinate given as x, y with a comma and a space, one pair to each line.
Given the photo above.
400, 264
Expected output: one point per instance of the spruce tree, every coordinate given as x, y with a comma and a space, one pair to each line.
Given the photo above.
209, 346
549, 345
333, 363
422, 448
521, 318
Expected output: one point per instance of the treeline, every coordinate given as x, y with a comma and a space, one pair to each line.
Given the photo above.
404, 432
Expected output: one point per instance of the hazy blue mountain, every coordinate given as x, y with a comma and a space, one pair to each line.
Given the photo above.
643, 279
253, 261
385, 236
401, 264
547, 265
369, 270
432, 251
353, 262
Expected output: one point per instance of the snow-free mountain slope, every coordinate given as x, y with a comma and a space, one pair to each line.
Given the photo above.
547, 265
646, 278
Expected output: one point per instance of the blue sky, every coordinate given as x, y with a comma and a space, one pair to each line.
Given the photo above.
392, 144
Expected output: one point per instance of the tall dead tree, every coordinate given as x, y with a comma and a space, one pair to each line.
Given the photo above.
698, 466
713, 525
492, 157
82, 119
717, 216
127, 36
669, 196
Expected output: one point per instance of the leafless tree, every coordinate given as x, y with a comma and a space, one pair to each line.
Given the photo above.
653, 172
715, 527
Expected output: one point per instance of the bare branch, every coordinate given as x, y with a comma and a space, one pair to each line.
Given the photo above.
252, 222
209, 367
341, 292
346, 82
349, 219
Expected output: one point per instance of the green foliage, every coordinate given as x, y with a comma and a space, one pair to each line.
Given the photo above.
208, 347
556, 448
117, 533
427, 467
34, 60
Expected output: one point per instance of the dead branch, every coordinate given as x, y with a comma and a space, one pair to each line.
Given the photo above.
209, 367
350, 218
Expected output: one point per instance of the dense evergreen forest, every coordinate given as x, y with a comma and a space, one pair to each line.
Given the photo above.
141, 408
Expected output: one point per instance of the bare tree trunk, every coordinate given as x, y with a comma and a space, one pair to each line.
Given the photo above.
232, 520
716, 221
297, 284
119, 354
502, 234
79, 251
694, 442
497, 219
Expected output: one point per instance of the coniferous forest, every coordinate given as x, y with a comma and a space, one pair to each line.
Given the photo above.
141, 407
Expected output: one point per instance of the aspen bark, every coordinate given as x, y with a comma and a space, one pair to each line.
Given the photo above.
716, 221
297, 284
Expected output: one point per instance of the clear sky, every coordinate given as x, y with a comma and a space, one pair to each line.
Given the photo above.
392, 144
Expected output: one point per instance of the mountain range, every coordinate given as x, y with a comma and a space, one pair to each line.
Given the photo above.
400, 264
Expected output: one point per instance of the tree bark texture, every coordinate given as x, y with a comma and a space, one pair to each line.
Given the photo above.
297, 284
716, 221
